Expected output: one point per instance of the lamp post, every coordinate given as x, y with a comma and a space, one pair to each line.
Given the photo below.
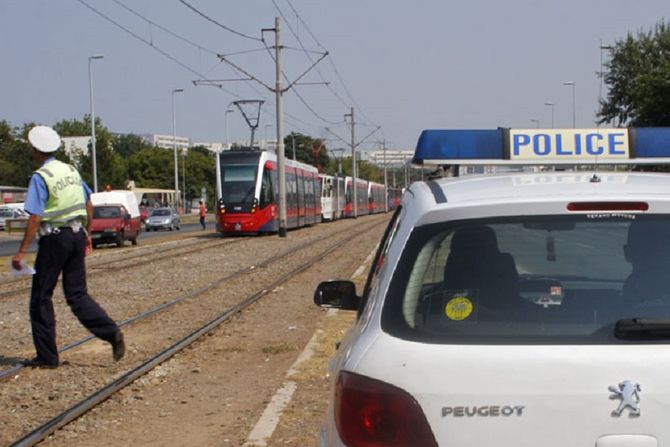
226, 119
174, 145
537, 123
551, 104
219, 190
90, 85
574, 111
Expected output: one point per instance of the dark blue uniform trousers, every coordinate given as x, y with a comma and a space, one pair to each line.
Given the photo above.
63, 252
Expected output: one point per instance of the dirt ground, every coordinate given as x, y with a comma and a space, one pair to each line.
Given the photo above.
216, 391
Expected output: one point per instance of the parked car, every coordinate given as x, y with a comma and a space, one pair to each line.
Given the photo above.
516, 308
10, 213
116, 218
163, 219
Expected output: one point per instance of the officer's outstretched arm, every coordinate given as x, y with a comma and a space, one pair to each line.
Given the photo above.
31, 229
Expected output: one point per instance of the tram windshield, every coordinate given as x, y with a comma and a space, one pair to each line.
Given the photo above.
238, 183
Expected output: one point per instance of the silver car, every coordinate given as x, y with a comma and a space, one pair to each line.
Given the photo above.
163, 219
10, 213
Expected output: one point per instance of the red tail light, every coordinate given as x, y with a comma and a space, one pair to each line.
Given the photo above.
608, 206
371, 413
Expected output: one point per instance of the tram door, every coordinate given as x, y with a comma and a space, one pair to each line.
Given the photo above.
300, 177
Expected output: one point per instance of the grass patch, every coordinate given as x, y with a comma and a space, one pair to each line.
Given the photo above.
278, 349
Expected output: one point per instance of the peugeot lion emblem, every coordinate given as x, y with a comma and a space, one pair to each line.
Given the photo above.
629, 393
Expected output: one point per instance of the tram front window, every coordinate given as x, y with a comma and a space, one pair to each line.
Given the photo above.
238, 183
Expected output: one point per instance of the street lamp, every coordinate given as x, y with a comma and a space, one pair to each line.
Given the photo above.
574, 112
174, 145
551, 104
537, 123
90, 85
219, 191
226, 118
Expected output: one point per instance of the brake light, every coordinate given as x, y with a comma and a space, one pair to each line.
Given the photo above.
608, 206
371, 413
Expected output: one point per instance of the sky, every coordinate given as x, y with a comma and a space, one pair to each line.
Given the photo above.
403, 66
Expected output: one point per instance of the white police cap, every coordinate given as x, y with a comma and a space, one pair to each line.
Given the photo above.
44, 139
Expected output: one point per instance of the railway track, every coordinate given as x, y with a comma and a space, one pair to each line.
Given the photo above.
129, 259
147, 364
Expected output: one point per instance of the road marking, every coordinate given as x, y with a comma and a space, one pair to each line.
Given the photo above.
268, 421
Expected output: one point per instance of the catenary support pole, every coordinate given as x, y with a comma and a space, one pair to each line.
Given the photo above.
280, 131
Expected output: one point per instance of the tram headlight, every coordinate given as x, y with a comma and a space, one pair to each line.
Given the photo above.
254, 206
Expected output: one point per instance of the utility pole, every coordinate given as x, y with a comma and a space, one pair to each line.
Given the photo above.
280, 131
279, 91
353, 163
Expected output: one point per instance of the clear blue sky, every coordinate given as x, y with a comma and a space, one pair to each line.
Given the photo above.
406, 66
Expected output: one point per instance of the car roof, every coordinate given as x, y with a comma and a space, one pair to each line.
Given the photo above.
532, 193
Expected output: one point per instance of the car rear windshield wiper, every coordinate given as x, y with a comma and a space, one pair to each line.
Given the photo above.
642, 329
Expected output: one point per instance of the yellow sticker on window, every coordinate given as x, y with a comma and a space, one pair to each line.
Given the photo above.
458, 308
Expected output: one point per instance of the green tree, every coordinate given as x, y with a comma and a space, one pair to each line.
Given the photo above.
638, 77
111, 167
152, 167
312, 151
200, 173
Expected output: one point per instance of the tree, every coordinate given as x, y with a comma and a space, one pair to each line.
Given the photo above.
638, 77
307, 149
111, 167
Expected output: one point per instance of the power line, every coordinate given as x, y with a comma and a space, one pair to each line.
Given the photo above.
227, 28
302, 100
332, 62
200, 47
174, 59
288, 24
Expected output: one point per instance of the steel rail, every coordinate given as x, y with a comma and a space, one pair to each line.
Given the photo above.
194, 293
103, 267
67, 416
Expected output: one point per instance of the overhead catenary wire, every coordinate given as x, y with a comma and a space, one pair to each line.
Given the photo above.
332, 62
302, 100
227, 28
172, 33
172, 58
148, 42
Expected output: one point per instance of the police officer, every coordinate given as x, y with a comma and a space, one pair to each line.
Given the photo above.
60, 211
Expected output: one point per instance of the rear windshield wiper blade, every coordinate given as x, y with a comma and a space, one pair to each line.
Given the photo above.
642, 329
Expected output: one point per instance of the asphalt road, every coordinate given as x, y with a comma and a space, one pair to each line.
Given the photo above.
9, 244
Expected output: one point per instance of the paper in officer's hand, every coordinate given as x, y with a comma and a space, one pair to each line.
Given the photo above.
25, 269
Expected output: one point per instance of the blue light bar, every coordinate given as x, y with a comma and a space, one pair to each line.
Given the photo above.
544, 146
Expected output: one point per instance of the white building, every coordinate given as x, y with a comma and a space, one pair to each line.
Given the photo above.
166, 141
76, 145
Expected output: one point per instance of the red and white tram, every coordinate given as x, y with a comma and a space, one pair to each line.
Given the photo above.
249, 203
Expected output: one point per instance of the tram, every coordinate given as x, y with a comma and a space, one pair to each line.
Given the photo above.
249, 193
332, 197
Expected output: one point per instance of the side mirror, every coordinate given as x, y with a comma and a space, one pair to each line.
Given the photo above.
337, 294
127, 216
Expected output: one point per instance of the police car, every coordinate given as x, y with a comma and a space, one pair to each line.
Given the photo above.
515, 309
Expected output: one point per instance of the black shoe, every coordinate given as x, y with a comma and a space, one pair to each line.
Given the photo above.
118, 346
39, 363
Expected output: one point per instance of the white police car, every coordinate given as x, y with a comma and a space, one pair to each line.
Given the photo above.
518, 309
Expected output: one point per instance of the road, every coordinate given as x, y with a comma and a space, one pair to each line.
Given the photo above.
9, 244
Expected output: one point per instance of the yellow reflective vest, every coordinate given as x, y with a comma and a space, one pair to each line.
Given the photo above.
66, 199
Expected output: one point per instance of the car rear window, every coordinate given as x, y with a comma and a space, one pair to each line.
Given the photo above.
106, 212
540, 279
